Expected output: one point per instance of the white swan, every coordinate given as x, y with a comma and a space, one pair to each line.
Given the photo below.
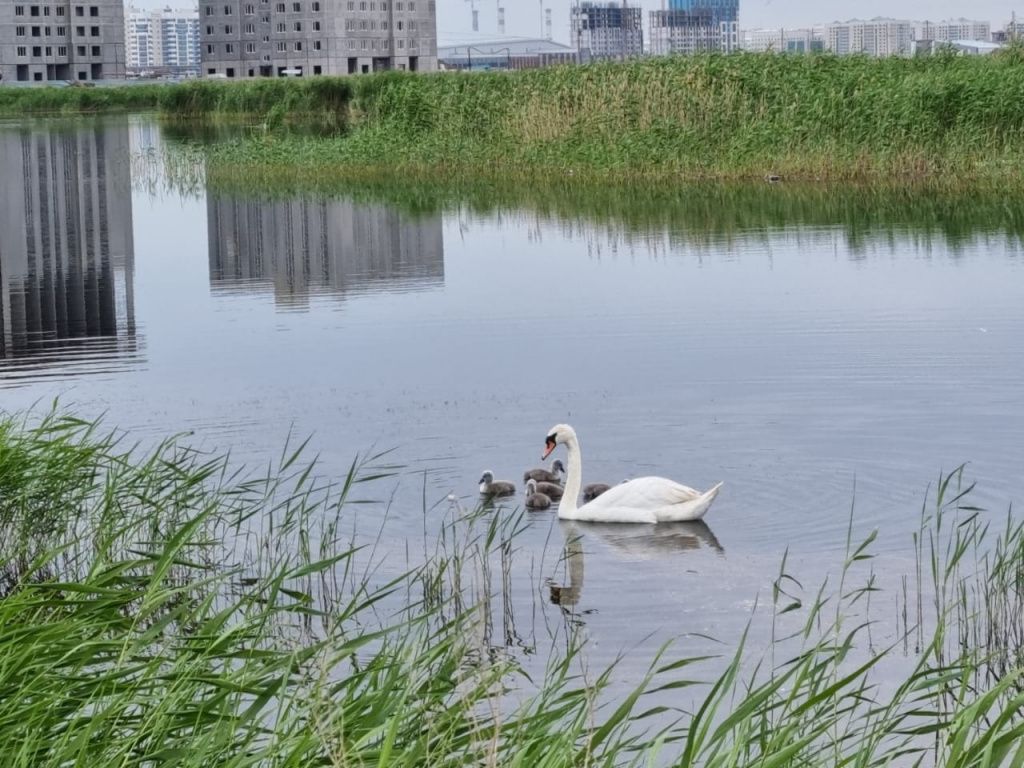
642, 500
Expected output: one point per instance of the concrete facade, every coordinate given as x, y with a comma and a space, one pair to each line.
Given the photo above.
275, 38
162, 40
66, 245
47, 41
801, 40
685, 32
953, 29
874, 37
606, 30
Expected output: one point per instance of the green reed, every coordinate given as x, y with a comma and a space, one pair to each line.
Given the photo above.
161, 607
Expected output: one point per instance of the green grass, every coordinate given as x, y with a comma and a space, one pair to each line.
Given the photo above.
159, 607
818, 117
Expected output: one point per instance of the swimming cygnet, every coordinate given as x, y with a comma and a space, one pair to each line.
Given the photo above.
491, 488
544, 476
535, 499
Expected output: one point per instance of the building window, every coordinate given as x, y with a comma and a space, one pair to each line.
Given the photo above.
228, 29
316, 45
250, 29
316, 6
22, 50
33, 10
350, 25
80, 31
94, 11
364, 25
229, 48
362, 5
282, 47
384, 25
79, 10
412, 6
211, 71
209, 10
351, 5
266, 38
227, 10
250, 10
280, 7
62, 31
210, 49
19, 10
80, 50
317, 70
35, 32
46, 10
316, 26
399, 23
282, 27
298, 45
19, 31
96, 51
401, 43
94, 31
250, 47
37, 50
298, 26
398, 6
383, 6
352, 44
60, 10
297, 7
49, 50
362, 44
209, 29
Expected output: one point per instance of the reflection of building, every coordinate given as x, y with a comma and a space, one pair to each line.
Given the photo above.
61, 41
162, 41
607, 30
299, 247
66, 247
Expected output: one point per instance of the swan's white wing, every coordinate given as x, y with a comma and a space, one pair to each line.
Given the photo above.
646, 493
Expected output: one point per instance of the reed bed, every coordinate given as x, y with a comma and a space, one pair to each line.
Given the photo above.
736, 116
158, 607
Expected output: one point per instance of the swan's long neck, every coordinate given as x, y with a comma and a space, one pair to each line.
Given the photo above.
573, 481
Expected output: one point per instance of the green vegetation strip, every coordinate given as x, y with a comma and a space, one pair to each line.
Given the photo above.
817, 117
160, 608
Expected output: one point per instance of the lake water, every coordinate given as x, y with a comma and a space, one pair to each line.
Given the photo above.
810, 348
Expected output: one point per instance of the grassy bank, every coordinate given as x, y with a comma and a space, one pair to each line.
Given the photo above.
161, 608
709, 116
705, 117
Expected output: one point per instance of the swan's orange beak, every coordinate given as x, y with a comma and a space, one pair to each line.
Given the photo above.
549, 446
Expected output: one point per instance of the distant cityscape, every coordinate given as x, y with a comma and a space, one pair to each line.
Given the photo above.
105, 39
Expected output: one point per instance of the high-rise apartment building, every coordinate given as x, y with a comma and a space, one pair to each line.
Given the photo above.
607, 30
691, 31
46, 41
953, 29
165, 40
874, 37
274, 38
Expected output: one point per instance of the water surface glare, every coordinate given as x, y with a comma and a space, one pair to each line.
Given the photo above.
807, 362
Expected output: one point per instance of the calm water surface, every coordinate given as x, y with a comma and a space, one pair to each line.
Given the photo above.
817, 357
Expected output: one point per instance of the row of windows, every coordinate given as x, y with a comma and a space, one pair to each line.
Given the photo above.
364, 5
61, 31
282, 47
62, 50
350, 25
36, 10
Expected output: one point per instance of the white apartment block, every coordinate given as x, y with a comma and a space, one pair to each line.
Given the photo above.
874, 37
803, 40
167, 39
63, 40
275, 38
953, 29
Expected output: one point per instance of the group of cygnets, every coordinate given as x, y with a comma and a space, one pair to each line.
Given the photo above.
542, 486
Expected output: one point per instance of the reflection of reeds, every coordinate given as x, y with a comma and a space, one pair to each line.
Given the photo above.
163, 607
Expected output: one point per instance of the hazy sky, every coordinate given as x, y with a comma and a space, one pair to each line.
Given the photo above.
523, 17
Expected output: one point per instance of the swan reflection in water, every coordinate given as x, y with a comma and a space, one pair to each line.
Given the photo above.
630, 542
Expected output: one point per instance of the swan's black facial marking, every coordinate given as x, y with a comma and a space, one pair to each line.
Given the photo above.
549, 442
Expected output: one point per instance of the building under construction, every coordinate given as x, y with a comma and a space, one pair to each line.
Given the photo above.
608, 30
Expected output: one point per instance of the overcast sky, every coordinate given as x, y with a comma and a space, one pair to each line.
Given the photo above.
523, 18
